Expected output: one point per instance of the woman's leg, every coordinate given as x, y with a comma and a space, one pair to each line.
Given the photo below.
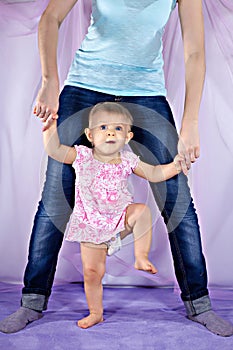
155, 140
93, 260
138, 221
155, 130
53, 211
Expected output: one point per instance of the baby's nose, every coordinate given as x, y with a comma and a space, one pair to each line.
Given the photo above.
111, 132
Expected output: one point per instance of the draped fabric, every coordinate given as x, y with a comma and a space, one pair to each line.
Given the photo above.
23, 160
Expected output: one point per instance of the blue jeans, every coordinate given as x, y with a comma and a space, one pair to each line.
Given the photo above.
155, 140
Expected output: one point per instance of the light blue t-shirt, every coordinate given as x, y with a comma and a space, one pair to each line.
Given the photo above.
122, 51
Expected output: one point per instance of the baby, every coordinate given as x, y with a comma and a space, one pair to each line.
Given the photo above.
104, 212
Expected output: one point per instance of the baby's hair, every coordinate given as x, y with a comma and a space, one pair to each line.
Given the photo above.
111, 107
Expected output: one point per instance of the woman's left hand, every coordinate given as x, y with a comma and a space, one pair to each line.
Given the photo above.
188, 144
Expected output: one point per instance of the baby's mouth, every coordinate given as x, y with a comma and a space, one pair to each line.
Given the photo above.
111, 141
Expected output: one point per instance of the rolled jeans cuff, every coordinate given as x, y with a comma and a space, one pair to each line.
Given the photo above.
37, 302
197, 306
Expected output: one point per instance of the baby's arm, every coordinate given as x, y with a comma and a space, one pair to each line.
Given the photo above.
158, 173
57, 151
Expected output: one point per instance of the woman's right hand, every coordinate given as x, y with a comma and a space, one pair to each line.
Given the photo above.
47, 103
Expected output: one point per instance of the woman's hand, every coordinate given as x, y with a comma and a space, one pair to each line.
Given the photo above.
189, 145
47, 103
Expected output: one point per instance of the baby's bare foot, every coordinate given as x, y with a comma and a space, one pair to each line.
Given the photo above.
90, 320
145, 265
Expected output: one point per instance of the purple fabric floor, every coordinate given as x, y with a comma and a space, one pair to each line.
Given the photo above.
135, 319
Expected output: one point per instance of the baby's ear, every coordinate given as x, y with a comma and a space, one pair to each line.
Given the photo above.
88, 134
129, 137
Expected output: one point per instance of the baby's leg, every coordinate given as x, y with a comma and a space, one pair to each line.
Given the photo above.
138, 218
93, 259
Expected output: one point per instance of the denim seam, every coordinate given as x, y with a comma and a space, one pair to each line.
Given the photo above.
181, 263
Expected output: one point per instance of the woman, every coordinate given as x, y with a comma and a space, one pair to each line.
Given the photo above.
121, 60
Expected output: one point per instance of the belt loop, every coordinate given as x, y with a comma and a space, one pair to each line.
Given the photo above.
118, 98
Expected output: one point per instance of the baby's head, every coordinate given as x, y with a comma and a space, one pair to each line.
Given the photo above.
120, 113
109, 125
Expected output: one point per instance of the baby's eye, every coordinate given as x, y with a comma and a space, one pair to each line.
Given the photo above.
118, 128
103, 127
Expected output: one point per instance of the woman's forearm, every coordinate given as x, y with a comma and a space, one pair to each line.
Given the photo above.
194, 81
49, 24
47, 101
48, 39
192, 26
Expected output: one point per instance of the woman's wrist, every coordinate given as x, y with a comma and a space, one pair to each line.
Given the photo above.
50, 80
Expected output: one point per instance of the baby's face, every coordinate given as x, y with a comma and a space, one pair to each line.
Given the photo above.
109, 132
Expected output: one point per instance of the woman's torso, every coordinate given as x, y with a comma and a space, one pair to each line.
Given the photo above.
122, 51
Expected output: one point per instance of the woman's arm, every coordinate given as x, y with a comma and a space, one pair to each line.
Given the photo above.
53, 147
192, 26
158, 173
47, 99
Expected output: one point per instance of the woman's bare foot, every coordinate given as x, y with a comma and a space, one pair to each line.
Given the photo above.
90, 320
145, 265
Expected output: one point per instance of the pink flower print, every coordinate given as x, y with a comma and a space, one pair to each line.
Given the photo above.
112, 196
82, 226
109, 221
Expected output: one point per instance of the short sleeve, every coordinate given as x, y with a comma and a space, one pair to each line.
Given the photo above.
131, 158
83, 154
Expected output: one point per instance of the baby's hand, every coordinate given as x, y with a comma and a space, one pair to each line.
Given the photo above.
47, 121
180, 164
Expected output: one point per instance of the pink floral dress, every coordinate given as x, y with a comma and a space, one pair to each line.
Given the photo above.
101, 197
